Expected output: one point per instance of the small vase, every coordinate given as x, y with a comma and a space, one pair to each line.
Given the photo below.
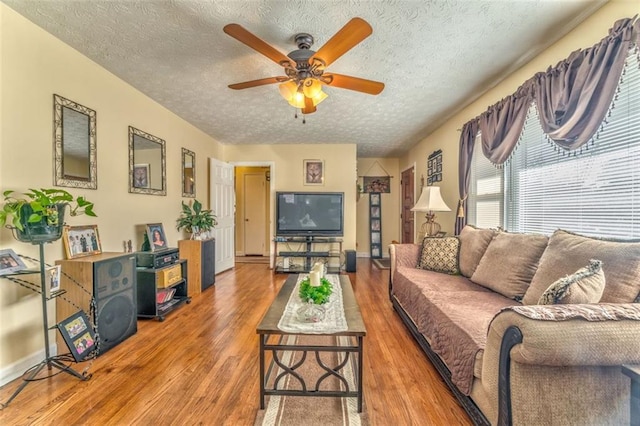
311, 312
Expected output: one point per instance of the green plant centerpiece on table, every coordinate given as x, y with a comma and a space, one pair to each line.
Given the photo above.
38, 215
319, 294
315, 297
195, 220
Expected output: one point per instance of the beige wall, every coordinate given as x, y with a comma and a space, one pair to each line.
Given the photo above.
390, 203
447, 136
287, 173
33, 66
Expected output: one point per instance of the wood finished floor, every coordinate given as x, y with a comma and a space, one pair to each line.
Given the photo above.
200, 366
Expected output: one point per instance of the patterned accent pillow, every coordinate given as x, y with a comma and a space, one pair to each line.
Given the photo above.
586, 285
440, 255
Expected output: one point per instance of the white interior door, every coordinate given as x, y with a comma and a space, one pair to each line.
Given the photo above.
222, 198
254, 214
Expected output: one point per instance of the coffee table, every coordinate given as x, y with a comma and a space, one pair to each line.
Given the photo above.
271, 339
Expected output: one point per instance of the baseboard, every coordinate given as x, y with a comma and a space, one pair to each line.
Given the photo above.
17, 369
367, 254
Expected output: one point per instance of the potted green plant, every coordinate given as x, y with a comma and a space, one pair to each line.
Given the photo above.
196, 220
38, 215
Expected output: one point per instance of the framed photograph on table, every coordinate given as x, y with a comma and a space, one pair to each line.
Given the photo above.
52, 277
313, 172
156, 235
78, 335
10, 262
81, 241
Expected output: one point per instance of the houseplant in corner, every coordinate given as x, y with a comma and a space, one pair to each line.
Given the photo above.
196, 220
38, 215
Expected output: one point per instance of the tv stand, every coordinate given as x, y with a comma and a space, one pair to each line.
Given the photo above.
307, 251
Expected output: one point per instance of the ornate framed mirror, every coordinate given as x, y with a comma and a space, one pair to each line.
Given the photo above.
74, 144
188, 173
147, 163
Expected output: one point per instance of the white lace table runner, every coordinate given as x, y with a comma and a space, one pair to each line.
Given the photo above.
334, 319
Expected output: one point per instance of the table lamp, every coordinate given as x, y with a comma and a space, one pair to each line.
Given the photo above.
430, 201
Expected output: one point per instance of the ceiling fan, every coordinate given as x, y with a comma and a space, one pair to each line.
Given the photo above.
305, 69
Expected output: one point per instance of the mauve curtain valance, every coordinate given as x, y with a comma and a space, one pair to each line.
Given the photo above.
574, 97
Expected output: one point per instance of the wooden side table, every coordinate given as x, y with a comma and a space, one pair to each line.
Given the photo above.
633, 371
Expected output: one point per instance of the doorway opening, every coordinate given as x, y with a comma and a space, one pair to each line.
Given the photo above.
253, 188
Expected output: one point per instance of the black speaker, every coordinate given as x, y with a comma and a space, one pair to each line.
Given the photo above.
115, 294
208, 263
110, 278
350, 260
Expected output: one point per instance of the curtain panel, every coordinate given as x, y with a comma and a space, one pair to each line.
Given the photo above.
467, 140
573, 99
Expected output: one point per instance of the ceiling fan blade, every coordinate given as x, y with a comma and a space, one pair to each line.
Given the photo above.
350, 35
353, 83
242, 35
254, 83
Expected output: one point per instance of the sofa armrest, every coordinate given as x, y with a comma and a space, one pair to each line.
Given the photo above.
535, 353
403, 255
561, 335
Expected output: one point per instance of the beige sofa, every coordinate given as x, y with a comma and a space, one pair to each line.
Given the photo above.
507, 358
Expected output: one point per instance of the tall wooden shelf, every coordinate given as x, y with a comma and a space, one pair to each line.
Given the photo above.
201, 256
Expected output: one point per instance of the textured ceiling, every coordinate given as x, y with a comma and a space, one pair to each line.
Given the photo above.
433, 56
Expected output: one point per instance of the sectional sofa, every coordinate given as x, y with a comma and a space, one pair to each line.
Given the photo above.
525, 329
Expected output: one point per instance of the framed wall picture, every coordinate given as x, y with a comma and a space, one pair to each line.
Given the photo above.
78, 335
375, 226
81, 241
10, 262
141, 175
156, 235
377, 184
313, 172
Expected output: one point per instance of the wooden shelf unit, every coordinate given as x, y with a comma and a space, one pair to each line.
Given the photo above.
201, 256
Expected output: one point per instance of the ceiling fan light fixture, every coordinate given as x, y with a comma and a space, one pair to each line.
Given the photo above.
311, 87
297, 101
288, 90
321, 96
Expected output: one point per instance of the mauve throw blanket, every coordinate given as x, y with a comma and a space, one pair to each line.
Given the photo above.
452, 313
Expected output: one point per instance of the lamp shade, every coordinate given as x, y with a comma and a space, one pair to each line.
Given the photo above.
430, 201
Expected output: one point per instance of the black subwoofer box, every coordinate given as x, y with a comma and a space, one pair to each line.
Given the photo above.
350, 260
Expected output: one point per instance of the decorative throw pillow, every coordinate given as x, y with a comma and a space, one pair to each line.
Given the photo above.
586, 285
440, 254
473, 243
567, 252
509, 263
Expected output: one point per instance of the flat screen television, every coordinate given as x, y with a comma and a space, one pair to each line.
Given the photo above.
310, 214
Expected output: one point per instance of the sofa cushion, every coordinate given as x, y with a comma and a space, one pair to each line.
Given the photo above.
567, 252
452, 313
440, 254
510, 263
584, 286
473, 243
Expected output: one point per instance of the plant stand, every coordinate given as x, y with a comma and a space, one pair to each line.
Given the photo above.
49, 361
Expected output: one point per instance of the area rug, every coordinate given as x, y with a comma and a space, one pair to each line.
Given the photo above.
384, 263
312, 411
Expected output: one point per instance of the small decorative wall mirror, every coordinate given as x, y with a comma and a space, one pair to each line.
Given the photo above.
147, 159
188, 173
74, 139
